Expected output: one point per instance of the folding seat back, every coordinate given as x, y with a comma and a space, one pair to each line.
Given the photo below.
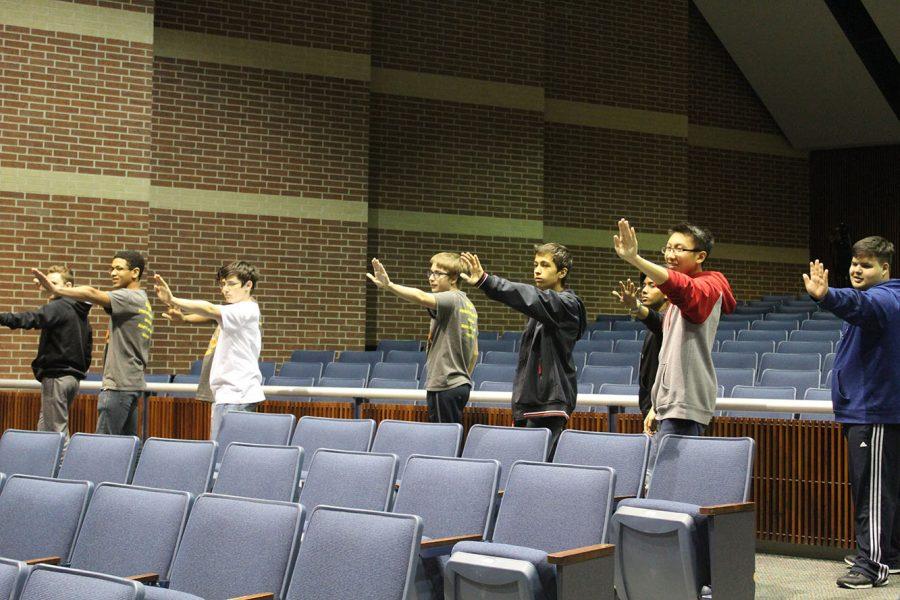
626, 453
386, 346
406, 356
498, 345
811, 335
728, 378
617, 389
588, 346
786, 316
260, 471
628, 346
766, 325
785, 394
485, 336
734, 360
486, 372
356, 554
97, 458
500, 358
301, 369
130, 530
384, 370
507, 445
613, 336
393, 384
46, 581
313, 433
495, 386
789, 362
313, 356
236, 547
369, 357
338, 382
822, 325
347, 370
765, 335
820, 348
828, 363
703, 471
40, 516
185, 465
270, 429
190, 379
598, 375
196, 367
404, 438
30, 452
12, 578
349, 479
799, 380
758, 347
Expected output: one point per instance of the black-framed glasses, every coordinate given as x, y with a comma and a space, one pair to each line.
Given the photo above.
435, 274
677, 250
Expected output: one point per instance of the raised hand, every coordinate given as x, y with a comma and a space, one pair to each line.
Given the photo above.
41, 280
625, 242
817, 281
162, 289
473, 265
380, 277
627, 294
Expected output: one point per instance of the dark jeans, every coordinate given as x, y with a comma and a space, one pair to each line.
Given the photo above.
556, 425
117, 412
446, 406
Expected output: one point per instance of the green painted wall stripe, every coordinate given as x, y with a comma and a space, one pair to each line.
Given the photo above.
81, 19
404, 220
457, 89
219, 49
651, 243
615, 117
742, 141
60, 183
258, 204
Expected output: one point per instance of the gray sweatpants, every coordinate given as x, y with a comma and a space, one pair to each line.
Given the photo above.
57, 394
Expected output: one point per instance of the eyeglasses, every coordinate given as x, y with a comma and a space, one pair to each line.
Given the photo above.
435, 274
677, 250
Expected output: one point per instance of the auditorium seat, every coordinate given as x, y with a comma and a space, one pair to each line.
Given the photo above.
369, 357
260, 471
766, 335
761, 392
130, 530
385, 370
817, 394
356, 554
612, 336
313, 433
507, 445
387, 346
185, 465
495, 357
786, 361
486, 336
524, 558
347, 370
625, 453
725, 335
758, 347
196, 367
313, 356
30, 452
301, 369
485, 372
190, 379
405, 438
811, 335
493, 386
267, 368
628, 326
97, 458
628, 346
588, 346
47, 581
765, 325
498, 345
786, 316
404, 356
729, 377
822, 325
393, 384
598, 375
349, 479
254, 428
799, 380
734, 360
41, 516
688, 544
820, 348
233, 547
12, 578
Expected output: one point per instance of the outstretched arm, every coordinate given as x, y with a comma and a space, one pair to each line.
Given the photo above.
175, 316
869, 309
81, 292
627, 295
626, 245
195, 307
410, 294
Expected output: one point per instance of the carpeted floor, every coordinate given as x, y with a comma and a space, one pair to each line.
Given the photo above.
788, 578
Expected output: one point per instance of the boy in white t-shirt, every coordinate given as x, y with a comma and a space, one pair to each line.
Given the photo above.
234, 378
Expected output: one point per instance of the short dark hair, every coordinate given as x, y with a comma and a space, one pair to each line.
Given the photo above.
703, 238
562, 258
134, 259
876, 246
241, 269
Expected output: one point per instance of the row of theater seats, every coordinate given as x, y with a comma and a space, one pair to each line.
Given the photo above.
574, 497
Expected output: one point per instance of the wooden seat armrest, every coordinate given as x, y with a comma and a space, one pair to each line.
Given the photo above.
625, 497
449, 541
47, 560
724, 509
577, 555
144, 577
265, 596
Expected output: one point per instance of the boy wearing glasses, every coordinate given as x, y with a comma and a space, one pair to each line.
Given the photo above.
452, 349
235, 380
684, 393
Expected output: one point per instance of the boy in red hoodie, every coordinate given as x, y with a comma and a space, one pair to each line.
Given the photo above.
684, 393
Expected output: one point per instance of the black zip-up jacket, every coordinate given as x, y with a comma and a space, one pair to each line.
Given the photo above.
649, 359
66, 338
545, 375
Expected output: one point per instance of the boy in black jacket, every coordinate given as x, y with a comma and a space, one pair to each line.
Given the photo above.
64, 349
545, 388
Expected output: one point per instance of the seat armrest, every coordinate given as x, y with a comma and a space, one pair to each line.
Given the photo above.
625, 497
577, 555
449, 541
265, 596
47, 560
724, 509
144, 577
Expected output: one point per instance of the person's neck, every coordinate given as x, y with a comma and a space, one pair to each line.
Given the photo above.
134, 285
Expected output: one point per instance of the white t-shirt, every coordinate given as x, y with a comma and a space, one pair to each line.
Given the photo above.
235, 377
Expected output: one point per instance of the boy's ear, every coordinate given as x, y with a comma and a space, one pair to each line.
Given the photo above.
701, 256
564, 273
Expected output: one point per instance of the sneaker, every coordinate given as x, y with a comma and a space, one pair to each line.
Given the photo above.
893, 568
857, 580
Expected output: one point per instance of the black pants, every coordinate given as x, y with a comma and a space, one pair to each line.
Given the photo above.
556, 425
874, 452
446, 406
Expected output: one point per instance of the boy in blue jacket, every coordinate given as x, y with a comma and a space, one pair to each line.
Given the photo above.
865, 391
